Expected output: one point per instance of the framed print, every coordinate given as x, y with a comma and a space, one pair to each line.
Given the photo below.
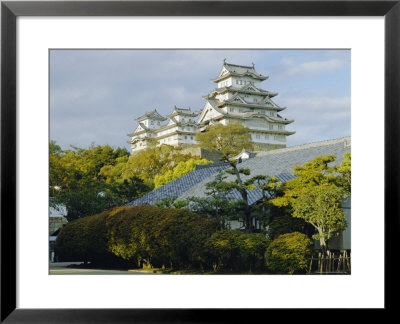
35, 32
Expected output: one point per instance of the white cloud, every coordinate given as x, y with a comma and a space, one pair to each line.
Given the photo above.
292, 69
317, 117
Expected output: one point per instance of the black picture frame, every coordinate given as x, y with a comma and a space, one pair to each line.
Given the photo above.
10, 10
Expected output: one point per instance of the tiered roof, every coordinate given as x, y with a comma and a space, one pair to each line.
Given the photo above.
247, 89
183, 112
229, 70
217, 105
151, 115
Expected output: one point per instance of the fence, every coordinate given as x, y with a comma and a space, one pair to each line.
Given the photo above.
331, 263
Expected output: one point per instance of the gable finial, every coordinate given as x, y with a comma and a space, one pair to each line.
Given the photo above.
224, 60
252, 64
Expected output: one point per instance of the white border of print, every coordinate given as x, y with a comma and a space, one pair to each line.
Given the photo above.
364, 36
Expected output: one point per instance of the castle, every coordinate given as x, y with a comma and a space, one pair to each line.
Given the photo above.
237, 98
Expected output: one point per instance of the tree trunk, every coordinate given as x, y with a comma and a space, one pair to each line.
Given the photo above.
243, 193
322, 243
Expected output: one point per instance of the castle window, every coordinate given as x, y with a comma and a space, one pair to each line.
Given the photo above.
271, 127
152, 122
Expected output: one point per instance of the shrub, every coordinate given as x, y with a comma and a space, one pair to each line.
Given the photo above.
157, 237
70, 244
143, 235
84, 239
289, 253
235, 251
285, 223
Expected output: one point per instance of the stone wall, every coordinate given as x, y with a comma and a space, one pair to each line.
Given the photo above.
215, 156
267, 147
203, 153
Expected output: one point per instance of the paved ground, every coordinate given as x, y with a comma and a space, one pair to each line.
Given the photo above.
60, 268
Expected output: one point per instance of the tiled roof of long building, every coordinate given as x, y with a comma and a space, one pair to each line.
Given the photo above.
278, 163
179, 186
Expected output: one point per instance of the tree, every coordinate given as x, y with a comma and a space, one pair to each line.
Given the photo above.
320, 206
181, 169
217, 204
314, 173
76, 180
147, 164
344, 173
316, 194
270, 188
229, 140
79, 168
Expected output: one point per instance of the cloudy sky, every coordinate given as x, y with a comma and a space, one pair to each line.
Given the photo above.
96, 95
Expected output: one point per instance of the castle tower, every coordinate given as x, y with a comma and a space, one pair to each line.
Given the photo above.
240, 98
144, 134
237, 98
180, 130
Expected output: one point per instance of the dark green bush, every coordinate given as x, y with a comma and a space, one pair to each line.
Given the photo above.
70, 244
289, 253
138, 236
157, 237
85, 239
231, 250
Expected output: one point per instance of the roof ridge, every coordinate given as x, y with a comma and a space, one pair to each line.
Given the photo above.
245, 66
345, 140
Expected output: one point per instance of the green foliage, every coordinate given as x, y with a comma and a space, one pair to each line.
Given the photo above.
70, 244
282, 223
289, 253
230, 140
144, 235
217, 204
231, 250
320, 206
151, 162
171, 202
313, 173
344, 171
90, 201
316, 194
79, 168
85, 239
227, 139
159, 236
181, 169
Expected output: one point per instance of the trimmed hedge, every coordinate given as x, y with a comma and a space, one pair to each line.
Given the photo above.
289, 253
236, 251
85, 239
158, 237
141, 236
